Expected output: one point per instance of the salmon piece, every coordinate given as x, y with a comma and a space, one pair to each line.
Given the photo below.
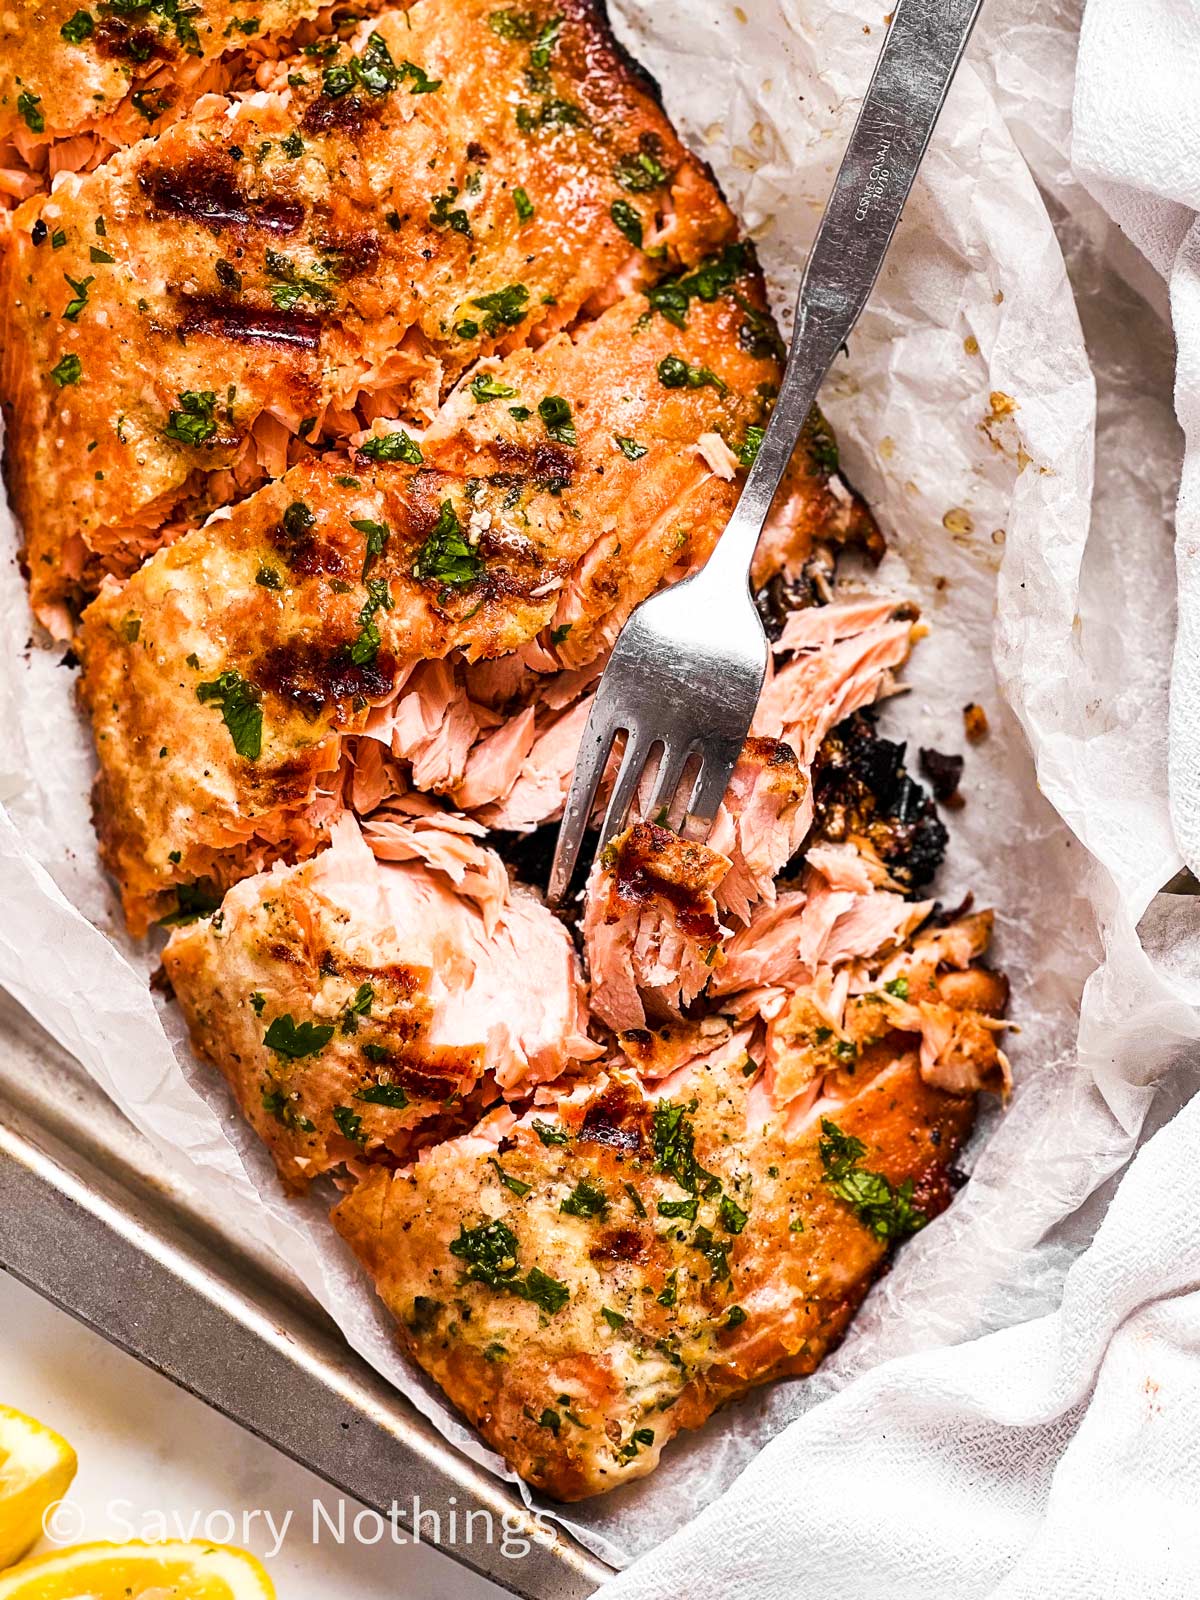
761, 824
99, 77
320, 593
625, 1262
296, 263
354, 1007
651, 928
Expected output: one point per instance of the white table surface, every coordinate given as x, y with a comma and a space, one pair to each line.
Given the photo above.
147, 1451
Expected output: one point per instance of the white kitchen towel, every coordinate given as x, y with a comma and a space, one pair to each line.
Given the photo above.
1137, 147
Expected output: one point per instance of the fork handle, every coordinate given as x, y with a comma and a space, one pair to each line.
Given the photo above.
920, 56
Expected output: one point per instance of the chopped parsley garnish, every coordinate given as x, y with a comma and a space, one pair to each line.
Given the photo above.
557, 420
679, 1208
360, 1006
629, 448
395, 446
441, 216
523, 204
292, 146
194, 422
675, 373
268, 578
641, 170
635, 1200
293, 1039
27, 105
550, 1419
490, 1253
518, 1188
670, 1290
377, 534
376, 72
80, 298
379, 598
823, 452
258, 1002
712, 278
377, 1053
613, 1318
192, 901
552, 113
391, 1095
559, 635
79, 27
349, 1124
549, 1133
887, 1211
714, 1252
585, 1200
58, 238
293, 286
100, 257
240, 705
758, 336
485, 386
67, 371
520, 413
796, 1225
733, 1218
503, 308
284, 1109
898, 987
734, 1317
674, 1149
627, 221
446, 557
747, 452
537, 73
521, 26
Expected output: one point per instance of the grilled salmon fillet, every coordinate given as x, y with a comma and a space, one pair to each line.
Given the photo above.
354, 1007
558, 488
587, 1281
288, 266
106, 73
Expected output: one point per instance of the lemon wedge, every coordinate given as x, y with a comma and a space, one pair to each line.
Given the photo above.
174, 1570
36, 1468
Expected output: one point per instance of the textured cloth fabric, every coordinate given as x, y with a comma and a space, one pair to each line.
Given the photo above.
1056, 1455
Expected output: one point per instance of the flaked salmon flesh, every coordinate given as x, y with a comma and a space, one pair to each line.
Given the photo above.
362, 370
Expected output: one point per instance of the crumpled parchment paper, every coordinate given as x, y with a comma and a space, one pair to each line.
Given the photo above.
966, 412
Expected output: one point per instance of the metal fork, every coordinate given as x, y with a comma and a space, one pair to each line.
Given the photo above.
688, 666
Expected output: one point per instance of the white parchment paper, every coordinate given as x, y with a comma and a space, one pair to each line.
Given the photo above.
966, 410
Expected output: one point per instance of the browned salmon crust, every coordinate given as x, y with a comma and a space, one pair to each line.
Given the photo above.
567, 527
294, 264
581, 1304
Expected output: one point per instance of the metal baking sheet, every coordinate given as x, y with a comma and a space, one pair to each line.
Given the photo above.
90, 1218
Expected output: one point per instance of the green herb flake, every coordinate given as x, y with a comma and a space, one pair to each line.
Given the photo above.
585, 1200
486, 386
523, 204
379, 598
267, 578
613, 1318
670, 1290
888, 1212
640, 171
898, 987
80, 297
635, 1200
747, 451
258, 1002
27, 106
675, 373
490, 1253
377, 536
627, 221
550, 1419
394, 446
292, 146
193, 423
549, 1132
78, 27
240, 705
733, 1218
674, 1149
67, 371
520, 413
446, 557
734, 1317
349, 1124
514, 1184
283, 1108
391, 1095
192, 901
556, 417
559, 635
296, 1040
629, 448
503, 308
442, 216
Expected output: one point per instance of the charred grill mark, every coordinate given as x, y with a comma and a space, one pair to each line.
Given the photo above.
546, 461
416, 1082
348, 114
637, 882
311, 678
205, 190
308, 555
122, 40
619, 1244
619, 1119
355, 253
243, 324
